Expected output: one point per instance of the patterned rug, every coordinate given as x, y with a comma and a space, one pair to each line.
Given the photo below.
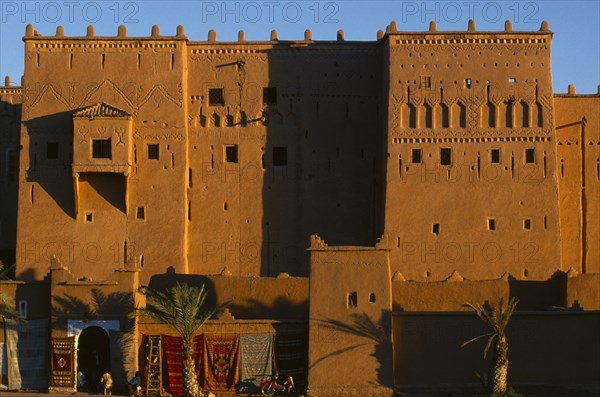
172, 350
256, 351
62, 353
221, 353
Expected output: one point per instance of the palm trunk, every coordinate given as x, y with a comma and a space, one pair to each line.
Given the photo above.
190, 382
499, 372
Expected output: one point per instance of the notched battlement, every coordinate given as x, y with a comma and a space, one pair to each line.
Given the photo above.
391, 30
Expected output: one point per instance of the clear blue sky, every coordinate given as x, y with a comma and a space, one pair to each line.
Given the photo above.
575, 49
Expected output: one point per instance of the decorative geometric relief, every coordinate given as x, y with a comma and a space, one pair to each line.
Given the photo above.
450, 94
546, 102
157, 93
474, 104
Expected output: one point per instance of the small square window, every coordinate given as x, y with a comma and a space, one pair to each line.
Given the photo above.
512, 80
23, 308
101, 148
491, 224
435, 229
446, 156
352, 300
279, 156
468, 83
89, 217
52, 150
416, 156
495, 156
231, 153
153, 151
270, 95
530, 155
140, 213
527, 223
426, 82
215, 97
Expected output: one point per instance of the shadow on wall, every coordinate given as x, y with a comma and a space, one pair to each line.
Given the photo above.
103, 306
49, 166
373, 333
321, 159
538, 295
281, 308
166, 281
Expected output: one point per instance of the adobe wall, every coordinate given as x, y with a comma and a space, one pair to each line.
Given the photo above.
263, 211
462, 193
63, 75
10, 116
561, 291
350, 314
34, 294
582, 291
248, 298
428, 353
579, 207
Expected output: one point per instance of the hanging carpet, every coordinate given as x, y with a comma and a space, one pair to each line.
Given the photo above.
221, 353
172, 350
255, 360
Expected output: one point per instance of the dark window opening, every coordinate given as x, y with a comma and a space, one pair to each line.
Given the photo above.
428, 117
153, 151
446, 156
435, 229
495, 156
412, 116
352, 299
141, 213
215, 97
416, 156
101, 148
279, 156
372, 298
270, 96
445, 116
52, 150
530, 156
491, 224
89, 217
231, 153
527, 224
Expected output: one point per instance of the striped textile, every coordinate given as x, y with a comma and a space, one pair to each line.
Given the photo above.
172, 352
256, 351
291, 356
27, 351
221, 361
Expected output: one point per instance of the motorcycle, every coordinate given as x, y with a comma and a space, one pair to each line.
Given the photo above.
270, 387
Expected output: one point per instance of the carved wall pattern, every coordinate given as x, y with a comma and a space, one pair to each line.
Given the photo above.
157, 93
439, 139
88, 45
172, 134
474, 105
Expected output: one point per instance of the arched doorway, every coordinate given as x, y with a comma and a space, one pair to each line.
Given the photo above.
93, 355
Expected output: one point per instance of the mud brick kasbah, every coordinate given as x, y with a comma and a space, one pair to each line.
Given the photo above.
347, 195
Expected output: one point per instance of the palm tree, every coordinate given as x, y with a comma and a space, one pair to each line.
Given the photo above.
7, 309
182, 308
497, 317
7, 305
